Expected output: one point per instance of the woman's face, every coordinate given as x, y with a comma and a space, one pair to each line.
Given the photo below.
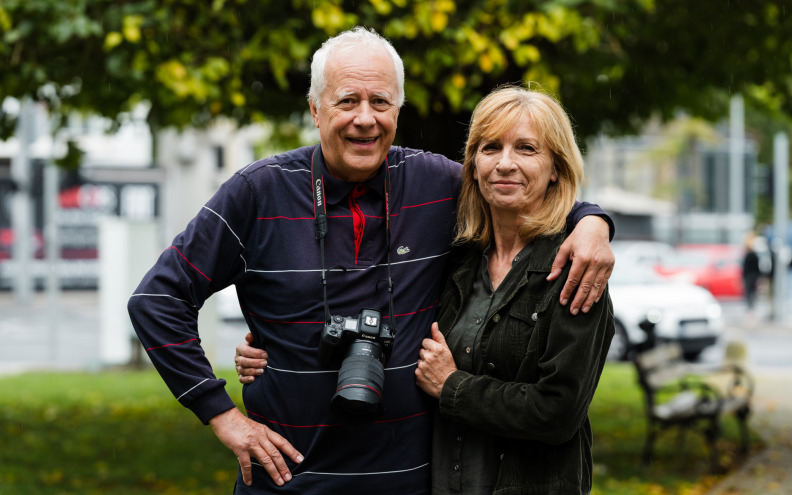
514, 171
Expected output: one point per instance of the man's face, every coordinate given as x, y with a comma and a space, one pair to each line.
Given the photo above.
358, 112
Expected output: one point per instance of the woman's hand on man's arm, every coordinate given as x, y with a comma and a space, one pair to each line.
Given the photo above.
249, 361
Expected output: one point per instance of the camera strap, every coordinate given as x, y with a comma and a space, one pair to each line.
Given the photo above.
320, 228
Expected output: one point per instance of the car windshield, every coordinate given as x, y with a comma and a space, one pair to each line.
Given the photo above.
683, 259
634, 273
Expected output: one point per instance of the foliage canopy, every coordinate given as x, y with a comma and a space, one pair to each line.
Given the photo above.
613, 64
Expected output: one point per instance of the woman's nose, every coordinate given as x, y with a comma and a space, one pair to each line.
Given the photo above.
506, 161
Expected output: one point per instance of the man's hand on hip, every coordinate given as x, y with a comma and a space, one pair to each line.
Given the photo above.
250, 440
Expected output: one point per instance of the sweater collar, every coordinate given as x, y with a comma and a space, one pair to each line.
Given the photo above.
337, 190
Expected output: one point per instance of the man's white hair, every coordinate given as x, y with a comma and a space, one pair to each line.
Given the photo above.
358, 38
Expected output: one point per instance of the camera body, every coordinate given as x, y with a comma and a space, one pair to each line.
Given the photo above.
342, 330
365, 344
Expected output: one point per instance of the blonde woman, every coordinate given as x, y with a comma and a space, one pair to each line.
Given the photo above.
513, 370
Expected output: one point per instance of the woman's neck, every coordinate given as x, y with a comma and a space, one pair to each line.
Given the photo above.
507, 244
506, 237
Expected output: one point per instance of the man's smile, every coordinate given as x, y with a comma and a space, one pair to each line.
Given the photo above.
363, 140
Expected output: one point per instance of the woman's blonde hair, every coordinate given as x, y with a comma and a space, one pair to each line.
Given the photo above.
494, 116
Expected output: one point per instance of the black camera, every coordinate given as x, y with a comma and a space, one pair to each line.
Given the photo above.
366, 344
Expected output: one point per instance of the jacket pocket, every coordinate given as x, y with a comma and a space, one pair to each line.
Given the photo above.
512, 336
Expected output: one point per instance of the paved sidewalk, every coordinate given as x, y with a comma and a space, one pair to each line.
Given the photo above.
66, 334
769, 471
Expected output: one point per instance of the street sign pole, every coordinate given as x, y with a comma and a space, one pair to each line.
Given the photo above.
780, 220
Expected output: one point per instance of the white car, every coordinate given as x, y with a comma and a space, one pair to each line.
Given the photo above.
228, 304
644, 252
679, 311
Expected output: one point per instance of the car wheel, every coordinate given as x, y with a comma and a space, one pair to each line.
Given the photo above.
691, 355
620, 344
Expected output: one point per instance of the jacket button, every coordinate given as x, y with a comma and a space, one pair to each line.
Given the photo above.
456, 467
467, 350
534, 317
496, 318
490, 366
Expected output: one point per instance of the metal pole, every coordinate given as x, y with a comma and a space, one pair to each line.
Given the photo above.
21, 207
736, 158
52, 244
780, 219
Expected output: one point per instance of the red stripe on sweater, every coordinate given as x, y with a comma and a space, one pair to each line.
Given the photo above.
188, 262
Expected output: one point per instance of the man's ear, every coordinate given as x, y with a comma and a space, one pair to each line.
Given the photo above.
314, 112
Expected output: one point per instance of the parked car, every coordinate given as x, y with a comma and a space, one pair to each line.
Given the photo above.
679, 311
228, 304
641, 251
716, 267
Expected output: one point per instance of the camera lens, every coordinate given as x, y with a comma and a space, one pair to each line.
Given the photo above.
358, 396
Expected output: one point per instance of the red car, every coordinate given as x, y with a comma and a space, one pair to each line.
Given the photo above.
716, 267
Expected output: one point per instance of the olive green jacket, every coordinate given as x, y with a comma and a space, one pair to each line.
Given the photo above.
542, 366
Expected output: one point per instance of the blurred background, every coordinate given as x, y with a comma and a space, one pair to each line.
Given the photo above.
119, 119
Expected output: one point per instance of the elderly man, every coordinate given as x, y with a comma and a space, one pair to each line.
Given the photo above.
349, 224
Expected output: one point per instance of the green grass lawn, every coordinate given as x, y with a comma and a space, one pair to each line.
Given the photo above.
681, 463
123, 433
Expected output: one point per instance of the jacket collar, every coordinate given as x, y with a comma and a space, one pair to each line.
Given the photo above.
540, 260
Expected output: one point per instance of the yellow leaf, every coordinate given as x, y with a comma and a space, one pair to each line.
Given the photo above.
509, 39
176, 69
5, 20
526, 54
238, 99
458, 80
131, 28
383, 7
112, 40
485, 62
439, 21
329, 17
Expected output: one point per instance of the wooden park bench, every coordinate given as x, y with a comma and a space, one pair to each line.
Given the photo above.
691, 396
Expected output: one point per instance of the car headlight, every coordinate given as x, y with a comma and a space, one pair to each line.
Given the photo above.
714, 311
654, 316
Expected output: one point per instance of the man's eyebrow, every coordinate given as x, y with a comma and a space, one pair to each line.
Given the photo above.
382, 94
344, 94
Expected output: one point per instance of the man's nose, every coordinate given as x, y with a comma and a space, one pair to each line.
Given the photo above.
365, 115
